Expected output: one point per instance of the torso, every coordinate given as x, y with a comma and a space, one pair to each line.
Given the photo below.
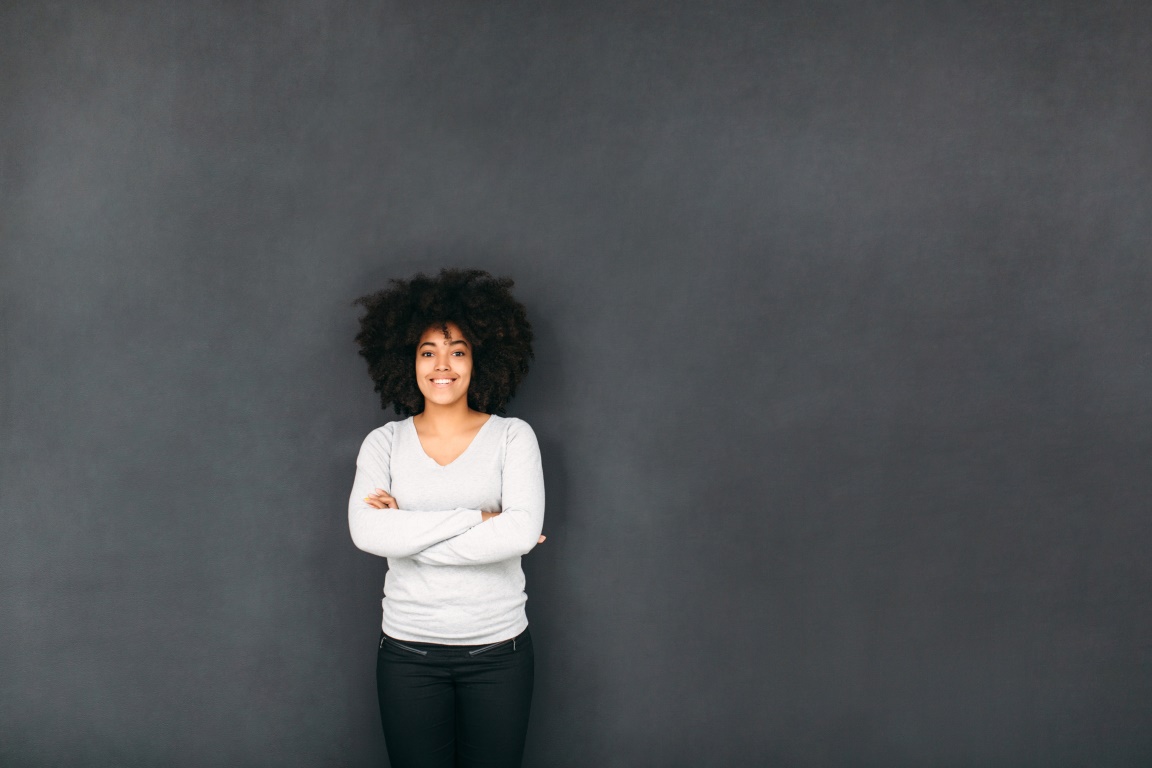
454, 604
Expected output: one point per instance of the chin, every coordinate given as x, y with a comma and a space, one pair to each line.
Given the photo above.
441, 400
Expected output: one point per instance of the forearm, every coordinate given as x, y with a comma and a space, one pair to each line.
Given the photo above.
403, 532
510, 534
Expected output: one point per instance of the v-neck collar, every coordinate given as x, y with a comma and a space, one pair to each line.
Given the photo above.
475, 437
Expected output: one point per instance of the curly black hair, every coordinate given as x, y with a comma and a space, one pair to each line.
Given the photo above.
492, 321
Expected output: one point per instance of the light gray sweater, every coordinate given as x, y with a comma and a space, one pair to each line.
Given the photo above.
452, 578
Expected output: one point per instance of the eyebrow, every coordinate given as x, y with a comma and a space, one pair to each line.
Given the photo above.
452, 343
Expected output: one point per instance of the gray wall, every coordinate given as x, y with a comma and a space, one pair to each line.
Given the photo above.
842, 383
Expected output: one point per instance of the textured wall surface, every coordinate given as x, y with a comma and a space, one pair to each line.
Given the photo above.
842, 383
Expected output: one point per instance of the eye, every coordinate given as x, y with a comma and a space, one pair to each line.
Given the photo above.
459, 353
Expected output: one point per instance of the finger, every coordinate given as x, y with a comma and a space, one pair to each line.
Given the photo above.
373, 502
541, 539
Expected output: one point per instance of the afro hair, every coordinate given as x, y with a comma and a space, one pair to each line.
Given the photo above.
492, 321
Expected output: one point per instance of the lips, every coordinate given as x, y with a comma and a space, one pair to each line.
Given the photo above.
442, 382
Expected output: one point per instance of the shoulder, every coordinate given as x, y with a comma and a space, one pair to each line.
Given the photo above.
382, 436
512, 426
519, 438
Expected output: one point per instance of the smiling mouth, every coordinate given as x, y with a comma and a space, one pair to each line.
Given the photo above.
443, 381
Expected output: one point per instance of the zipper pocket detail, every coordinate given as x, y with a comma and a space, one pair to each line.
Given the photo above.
408, 648
487, 648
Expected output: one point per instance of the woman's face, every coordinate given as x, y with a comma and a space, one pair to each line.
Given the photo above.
443, 365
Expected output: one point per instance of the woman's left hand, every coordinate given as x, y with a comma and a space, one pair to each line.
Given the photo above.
381, 500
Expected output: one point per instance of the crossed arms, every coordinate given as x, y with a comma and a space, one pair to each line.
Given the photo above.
450, 537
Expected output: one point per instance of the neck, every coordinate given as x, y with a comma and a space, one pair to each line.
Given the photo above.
447, 418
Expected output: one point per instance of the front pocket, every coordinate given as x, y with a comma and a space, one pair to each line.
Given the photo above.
408, 648
487, 648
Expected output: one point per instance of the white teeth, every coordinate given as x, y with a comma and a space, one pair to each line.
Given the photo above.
441, 381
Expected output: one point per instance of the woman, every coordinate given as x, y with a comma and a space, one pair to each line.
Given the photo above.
453, 495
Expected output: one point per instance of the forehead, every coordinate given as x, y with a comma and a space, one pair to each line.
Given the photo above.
436, 335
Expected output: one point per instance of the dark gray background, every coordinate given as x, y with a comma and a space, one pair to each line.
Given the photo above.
842, 380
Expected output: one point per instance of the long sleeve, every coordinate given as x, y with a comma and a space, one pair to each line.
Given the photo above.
395, 532
516, 530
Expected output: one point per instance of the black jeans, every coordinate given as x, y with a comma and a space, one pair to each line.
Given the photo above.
455, 706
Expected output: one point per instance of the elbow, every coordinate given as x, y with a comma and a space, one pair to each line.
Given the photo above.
527, 540
356, 525
368, 538
528, 544
519, 532
359, 541
362, 542
373, 547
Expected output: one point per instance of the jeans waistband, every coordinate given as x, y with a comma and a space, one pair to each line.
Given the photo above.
470, 650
